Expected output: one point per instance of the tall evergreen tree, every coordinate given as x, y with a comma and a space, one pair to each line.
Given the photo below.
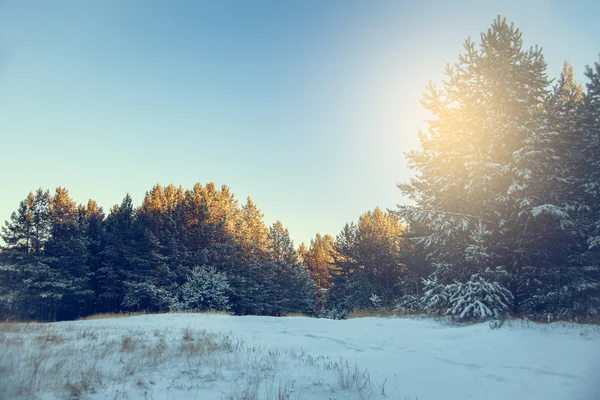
29, 226
32, 288
251, 232
293, 290
486, 149
319, 259
279, 244
66, 253
93, 223
591, 174
369, 268
116, 257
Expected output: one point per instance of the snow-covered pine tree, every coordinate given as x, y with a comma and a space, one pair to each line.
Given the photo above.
591, 174
591, 178
484, 113
478, 298
552, 277
206, 289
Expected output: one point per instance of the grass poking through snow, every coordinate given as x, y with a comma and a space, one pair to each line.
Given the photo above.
75, 361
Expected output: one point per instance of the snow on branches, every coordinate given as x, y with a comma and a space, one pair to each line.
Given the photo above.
475, 299
206, 289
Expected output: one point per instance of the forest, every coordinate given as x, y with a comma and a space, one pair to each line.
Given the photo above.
504, 220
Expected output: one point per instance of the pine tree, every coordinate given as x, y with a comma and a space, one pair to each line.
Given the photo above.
32, 288
380, 244
116, 256
292, 289
319, 259
251, 232
66, 253
368, 262
486, 144
93, 223
18, 232
206, 289
29, 226
279, 244
590, 174
554, 279
159, 256
476, 299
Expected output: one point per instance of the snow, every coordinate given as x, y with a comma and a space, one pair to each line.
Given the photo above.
405, 357
549, 209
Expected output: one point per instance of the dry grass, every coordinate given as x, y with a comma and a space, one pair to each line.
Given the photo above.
111, 315
15, 327
298, 315
127, 345
188, 335
207, 312
133, 314
72, 361
49, 338
372, 313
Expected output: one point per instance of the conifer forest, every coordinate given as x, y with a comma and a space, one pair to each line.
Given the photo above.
503, 220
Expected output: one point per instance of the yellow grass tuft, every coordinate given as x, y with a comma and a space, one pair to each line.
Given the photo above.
371, 313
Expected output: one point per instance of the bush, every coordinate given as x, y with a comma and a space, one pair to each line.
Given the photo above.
206, 289
408, 304
435, 296
334, 313
475, 299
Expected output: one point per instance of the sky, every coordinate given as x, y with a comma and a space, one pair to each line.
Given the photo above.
306, 106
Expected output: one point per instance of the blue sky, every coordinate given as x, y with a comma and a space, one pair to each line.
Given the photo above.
306, 106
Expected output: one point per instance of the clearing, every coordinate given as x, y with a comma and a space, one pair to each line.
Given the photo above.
203, 356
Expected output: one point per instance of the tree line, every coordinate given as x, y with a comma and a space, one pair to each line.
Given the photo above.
505, 218
180, 249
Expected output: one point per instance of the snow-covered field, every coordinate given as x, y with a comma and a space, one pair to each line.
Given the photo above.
195, 356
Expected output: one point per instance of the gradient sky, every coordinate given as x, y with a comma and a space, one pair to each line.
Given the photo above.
306, 106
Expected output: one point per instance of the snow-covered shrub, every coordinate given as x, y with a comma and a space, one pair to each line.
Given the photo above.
496, 323
333, 313
408, 304
435, 297
477, 298
375, 300
206, 289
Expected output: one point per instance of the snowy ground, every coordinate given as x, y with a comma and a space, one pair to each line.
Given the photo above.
191, 356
